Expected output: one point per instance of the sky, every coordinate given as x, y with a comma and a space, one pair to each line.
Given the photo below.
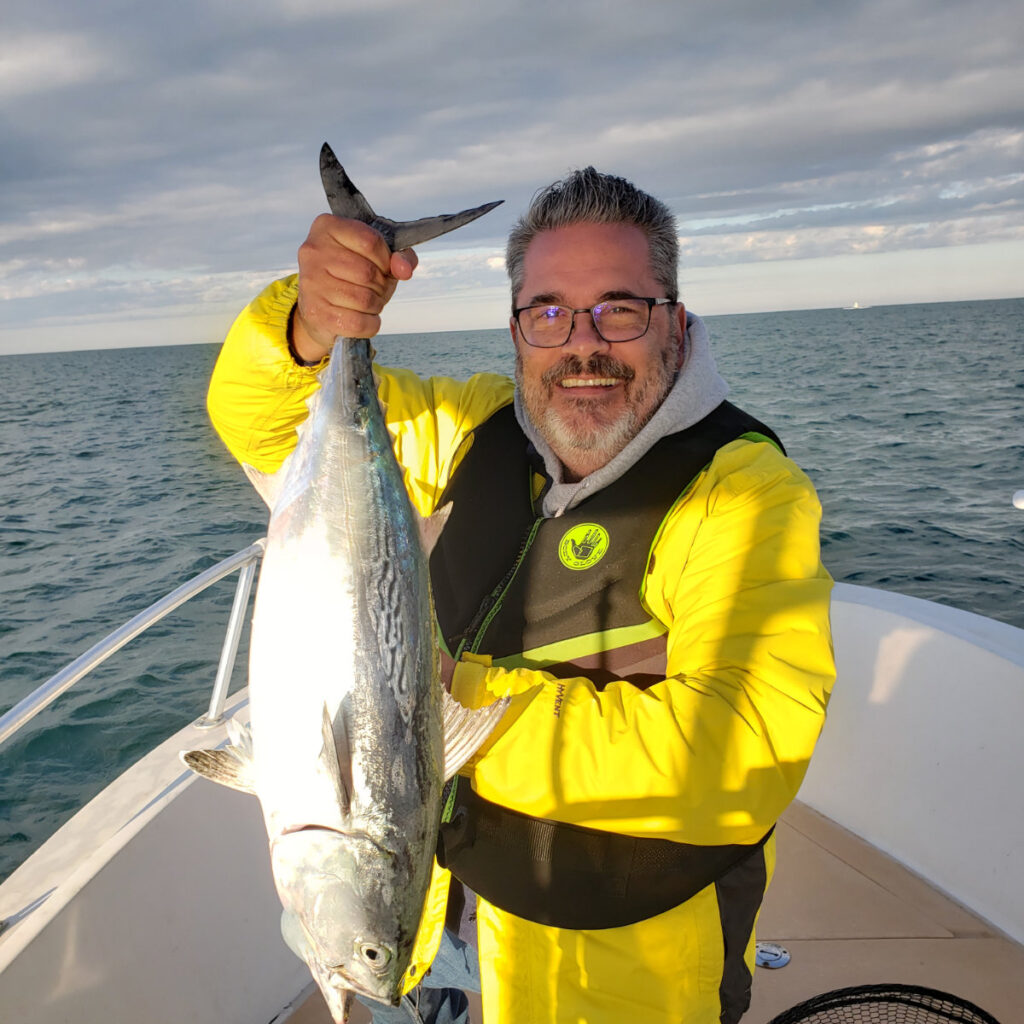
159, 162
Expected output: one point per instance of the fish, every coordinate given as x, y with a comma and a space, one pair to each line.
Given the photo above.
352, 734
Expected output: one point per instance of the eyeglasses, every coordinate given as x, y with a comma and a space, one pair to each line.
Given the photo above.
545, 326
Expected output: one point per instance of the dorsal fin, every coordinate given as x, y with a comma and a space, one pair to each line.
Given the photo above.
430, 527
268, 485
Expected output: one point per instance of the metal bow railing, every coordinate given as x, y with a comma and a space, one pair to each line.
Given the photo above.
245, 560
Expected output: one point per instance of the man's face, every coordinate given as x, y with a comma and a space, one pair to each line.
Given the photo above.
590, 397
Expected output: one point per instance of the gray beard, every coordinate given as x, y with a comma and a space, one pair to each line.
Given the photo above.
606, 440
602, 441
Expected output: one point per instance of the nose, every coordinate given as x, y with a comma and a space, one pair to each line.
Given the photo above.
584, 337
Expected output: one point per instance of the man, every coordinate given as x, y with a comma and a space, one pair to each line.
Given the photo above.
632, 558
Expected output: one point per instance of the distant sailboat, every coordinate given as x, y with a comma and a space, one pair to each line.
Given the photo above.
856, 305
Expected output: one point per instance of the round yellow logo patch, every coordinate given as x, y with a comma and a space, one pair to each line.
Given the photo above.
583, 546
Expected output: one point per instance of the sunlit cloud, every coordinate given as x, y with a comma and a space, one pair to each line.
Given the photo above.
837, 240
156, 156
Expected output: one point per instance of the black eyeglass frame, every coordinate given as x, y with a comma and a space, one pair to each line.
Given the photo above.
651, 303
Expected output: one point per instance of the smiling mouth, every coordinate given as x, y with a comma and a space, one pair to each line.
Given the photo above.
592, 382
600, 371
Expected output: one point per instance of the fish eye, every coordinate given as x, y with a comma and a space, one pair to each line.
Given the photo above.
376, 957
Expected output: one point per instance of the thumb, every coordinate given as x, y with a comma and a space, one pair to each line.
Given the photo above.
403, 263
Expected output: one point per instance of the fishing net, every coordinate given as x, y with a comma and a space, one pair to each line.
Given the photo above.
884, 1004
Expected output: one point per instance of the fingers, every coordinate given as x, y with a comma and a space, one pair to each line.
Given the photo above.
447, 667
353, 235
347, 274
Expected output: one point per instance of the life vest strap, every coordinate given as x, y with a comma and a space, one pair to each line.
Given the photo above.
569, 876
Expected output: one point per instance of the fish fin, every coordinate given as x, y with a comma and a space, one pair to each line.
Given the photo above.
431, 526
408, 233
230, 766
268, 485
337, 756
465, 730
241, 739
344, 199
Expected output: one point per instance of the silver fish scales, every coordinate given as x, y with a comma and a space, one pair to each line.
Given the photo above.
349, 721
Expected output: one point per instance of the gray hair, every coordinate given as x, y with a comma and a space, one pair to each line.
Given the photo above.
588, 196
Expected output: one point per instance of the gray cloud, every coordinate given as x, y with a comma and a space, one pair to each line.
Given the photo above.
162, 156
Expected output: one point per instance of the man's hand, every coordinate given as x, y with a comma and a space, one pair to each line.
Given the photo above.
347, 274
447, 670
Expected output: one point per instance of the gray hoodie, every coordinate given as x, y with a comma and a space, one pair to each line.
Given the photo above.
698, 389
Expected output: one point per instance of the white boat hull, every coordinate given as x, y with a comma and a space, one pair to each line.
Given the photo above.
921, 754
156, 901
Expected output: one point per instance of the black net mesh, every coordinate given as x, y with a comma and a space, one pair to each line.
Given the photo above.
884, 1004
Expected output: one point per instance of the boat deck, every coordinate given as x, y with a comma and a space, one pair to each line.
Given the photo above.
850, 915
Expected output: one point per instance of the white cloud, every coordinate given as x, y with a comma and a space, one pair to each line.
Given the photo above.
816, 242
34, 62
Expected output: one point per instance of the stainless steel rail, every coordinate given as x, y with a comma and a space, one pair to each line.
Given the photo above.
246, 560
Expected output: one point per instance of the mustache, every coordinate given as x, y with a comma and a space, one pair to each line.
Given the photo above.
599, 365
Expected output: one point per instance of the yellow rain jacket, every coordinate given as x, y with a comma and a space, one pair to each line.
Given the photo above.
710, 755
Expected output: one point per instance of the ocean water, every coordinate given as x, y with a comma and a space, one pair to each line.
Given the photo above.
114, 490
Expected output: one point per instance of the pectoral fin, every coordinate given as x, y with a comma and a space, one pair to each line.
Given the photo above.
336, 756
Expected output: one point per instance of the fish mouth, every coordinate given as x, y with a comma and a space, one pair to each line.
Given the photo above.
349, 982
363, 990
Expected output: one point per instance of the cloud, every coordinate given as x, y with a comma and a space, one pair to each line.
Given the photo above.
149, 147
39, 62
810, 243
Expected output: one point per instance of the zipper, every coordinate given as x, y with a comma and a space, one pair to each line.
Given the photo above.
473, 636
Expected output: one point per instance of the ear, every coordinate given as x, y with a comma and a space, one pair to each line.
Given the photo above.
512, 330
681, 313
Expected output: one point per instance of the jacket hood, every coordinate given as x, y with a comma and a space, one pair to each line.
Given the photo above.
698, 389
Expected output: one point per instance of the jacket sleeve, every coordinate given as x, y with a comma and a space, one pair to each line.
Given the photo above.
258, 394
715, 752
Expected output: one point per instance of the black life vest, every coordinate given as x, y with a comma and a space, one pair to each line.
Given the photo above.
563, 595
